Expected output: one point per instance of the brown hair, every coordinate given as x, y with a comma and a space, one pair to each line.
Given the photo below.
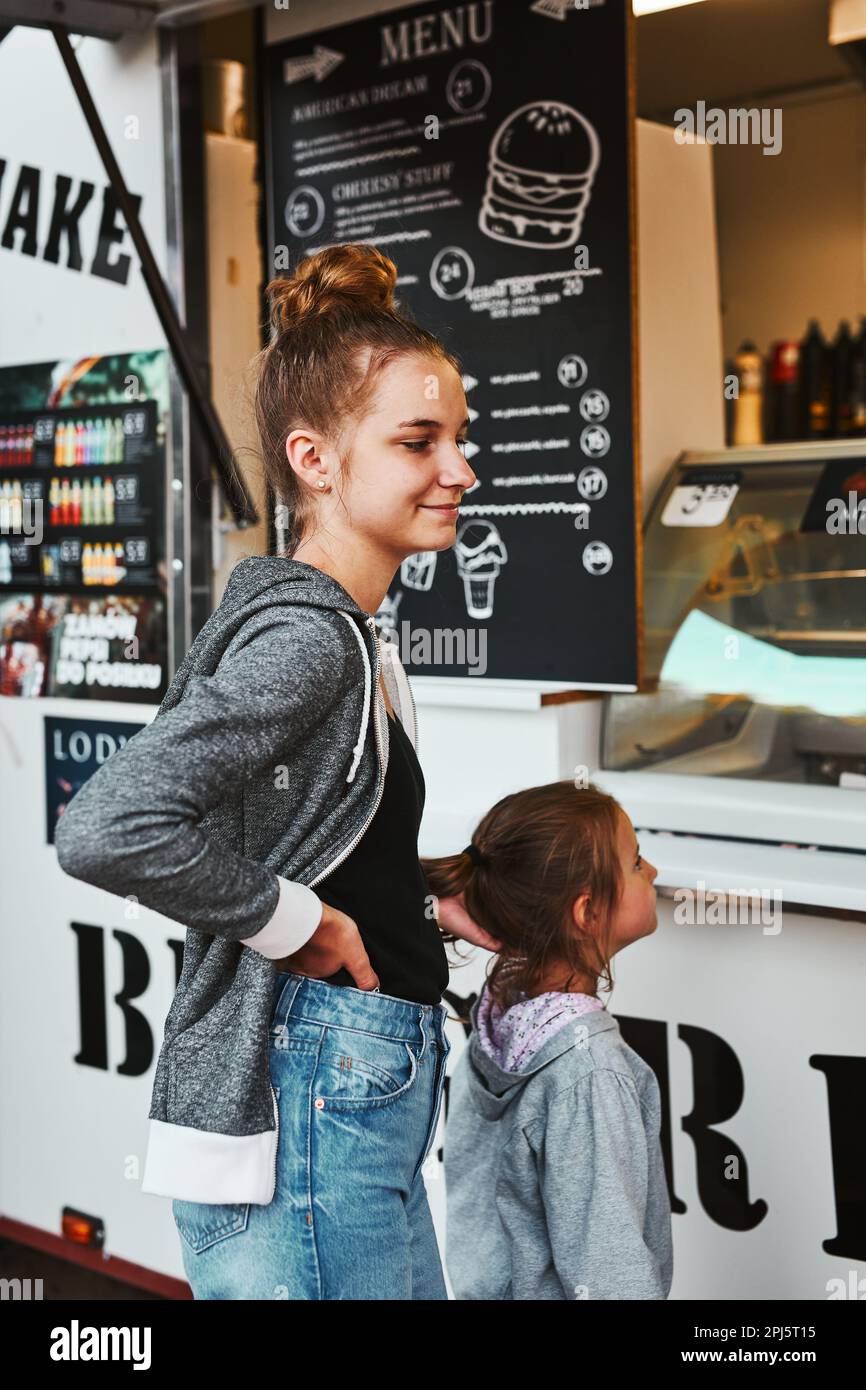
540, 849
336, 303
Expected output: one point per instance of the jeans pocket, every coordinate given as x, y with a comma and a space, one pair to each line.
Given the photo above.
202, 1224
359, 1070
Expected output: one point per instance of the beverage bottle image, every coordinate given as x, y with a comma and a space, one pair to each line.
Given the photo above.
69, 445
87, 503
17, 506
88, 442
815, 421
78, 456
28, 448
59, 443
118, 559
96, 502
5, 508
2, 446
75, 516
108, 497
121, 441
87, 564
54, 502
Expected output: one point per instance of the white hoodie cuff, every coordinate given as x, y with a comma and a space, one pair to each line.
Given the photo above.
297, 915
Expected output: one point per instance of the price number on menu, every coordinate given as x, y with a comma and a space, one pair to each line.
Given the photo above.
32, 487
134, 424
43, 430
20, 552
126, 488
135, 550
70, 551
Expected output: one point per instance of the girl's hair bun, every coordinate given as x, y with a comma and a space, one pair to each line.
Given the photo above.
355, 276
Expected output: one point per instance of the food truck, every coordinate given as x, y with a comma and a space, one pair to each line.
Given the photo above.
699, 652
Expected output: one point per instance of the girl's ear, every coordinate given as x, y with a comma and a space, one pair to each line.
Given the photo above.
580, 911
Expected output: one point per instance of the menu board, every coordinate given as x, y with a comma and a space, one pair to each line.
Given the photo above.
487, 149
82, 528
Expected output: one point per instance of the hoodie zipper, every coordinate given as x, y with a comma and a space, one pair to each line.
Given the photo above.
348, 850
276, 1142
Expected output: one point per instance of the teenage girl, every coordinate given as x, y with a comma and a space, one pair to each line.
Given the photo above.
302, 1071
555, 1179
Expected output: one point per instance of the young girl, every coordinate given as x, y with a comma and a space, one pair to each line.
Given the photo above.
272, 808
555, 1182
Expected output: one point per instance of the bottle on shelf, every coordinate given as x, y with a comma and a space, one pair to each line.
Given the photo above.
815, 396
840, 382
748, 408
857, 413
784, 392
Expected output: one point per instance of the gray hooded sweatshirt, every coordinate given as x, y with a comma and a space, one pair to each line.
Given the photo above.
554, 1176
258, 775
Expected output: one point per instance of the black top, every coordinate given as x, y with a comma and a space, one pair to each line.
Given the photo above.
383, 888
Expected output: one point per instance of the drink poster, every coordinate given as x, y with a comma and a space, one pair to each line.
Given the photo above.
487, 149
82, 528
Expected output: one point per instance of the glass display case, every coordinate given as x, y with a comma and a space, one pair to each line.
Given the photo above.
754, 620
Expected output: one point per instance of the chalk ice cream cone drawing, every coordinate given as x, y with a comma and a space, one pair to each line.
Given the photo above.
543, 160
417, 570
480, 554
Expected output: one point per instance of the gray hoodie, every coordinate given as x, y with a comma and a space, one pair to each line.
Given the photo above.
554, 1176
259, 773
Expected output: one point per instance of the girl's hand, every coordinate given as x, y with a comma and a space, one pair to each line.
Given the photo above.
454, 918
335, 944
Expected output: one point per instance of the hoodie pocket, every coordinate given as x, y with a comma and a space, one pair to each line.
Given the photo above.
202, 1224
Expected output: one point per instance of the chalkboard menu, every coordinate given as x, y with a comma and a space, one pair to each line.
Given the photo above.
487, 149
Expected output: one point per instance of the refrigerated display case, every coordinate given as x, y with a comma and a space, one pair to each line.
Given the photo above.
755, 621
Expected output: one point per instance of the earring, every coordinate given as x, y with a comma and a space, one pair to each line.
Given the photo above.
320, 483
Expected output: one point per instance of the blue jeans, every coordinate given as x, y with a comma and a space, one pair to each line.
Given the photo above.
359, 1079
